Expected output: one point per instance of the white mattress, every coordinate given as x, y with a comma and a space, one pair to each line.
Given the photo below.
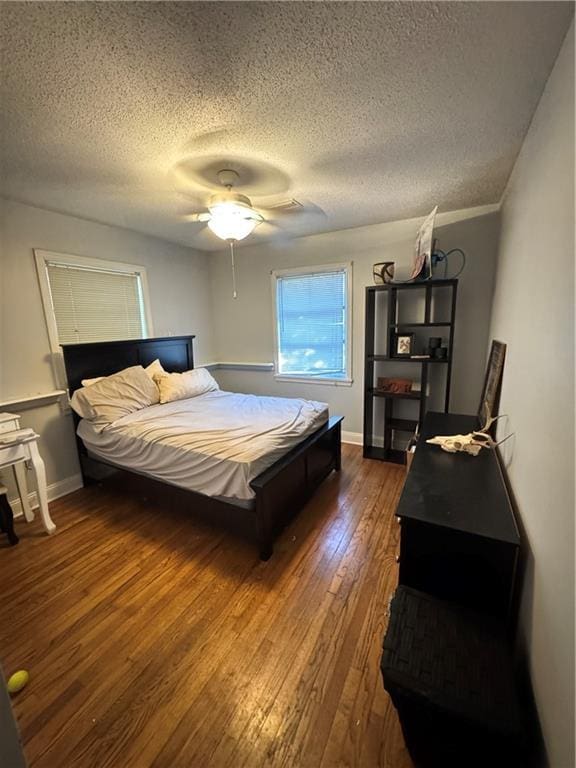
214, 444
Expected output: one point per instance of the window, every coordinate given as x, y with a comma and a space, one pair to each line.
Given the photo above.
92, 300
313, 309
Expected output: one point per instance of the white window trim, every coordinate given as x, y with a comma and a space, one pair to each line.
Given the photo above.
42, 258
311, 270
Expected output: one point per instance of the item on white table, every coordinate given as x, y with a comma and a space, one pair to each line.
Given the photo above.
18, 436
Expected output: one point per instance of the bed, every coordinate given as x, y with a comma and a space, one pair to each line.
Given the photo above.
264, 481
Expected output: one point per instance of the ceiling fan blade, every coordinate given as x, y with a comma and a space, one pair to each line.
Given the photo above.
205, 216
268, 227
273, 233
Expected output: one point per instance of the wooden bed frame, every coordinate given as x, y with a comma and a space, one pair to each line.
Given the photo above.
281, 490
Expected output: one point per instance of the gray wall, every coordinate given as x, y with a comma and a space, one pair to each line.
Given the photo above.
243, 328
179, 294
534, 314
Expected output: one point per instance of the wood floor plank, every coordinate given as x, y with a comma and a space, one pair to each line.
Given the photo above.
156, 641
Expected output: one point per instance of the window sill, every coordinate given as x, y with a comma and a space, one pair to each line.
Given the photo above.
315, 380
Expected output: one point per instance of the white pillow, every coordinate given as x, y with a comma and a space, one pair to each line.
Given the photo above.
89, 382
178, 386
115, 396
154, 369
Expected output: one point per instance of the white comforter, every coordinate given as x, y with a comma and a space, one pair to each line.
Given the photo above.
215, 444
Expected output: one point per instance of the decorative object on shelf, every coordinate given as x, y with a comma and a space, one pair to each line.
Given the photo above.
440, 353
403, 344
490, 398
439, 256
435, 342
387, 384
422, 267
383, 272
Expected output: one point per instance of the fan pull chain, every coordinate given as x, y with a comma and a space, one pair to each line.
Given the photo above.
234, 291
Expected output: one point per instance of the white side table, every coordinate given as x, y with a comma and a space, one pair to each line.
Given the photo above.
19, 448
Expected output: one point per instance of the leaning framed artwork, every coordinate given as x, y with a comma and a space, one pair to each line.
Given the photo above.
490, 398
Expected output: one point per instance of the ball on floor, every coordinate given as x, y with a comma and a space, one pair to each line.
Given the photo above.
17, 681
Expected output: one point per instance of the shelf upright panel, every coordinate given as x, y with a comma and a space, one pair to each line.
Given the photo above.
369, 368
451, 346
388, 403
423, 393
392, 305
427, 304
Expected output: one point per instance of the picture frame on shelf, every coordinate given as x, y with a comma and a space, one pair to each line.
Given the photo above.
403, 345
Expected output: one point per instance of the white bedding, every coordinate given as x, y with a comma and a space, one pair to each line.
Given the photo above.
215, 443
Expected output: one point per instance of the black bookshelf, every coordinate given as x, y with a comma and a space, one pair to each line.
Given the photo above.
376, 361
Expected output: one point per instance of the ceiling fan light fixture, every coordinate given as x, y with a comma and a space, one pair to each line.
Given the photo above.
232, 221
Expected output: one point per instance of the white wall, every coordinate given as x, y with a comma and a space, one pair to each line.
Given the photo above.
243, 328
534, 314
179, 295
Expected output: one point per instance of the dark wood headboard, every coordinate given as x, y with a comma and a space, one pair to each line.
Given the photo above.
102, 358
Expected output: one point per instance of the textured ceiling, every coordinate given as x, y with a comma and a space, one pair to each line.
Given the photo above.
120, 112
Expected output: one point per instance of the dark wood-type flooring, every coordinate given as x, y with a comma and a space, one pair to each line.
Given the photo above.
156, 641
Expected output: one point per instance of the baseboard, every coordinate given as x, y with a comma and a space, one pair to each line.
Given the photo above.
352, 438
54, 491
357, 438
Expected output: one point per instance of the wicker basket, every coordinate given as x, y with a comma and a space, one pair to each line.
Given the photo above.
449, 674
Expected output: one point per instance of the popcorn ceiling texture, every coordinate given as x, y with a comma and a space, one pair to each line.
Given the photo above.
373, 111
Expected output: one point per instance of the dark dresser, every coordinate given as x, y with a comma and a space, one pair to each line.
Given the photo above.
447, 661
459, 540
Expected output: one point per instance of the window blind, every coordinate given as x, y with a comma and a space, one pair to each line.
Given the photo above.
95, 305
312, 334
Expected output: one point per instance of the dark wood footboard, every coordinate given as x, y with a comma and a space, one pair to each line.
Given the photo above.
284, 488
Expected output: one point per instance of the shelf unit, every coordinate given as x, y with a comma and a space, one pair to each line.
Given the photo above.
392, 326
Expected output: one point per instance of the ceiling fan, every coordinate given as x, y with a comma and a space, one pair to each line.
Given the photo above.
232, 217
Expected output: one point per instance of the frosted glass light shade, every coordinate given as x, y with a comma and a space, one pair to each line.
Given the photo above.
230, 221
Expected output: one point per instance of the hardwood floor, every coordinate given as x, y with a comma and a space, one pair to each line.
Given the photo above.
156, 641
